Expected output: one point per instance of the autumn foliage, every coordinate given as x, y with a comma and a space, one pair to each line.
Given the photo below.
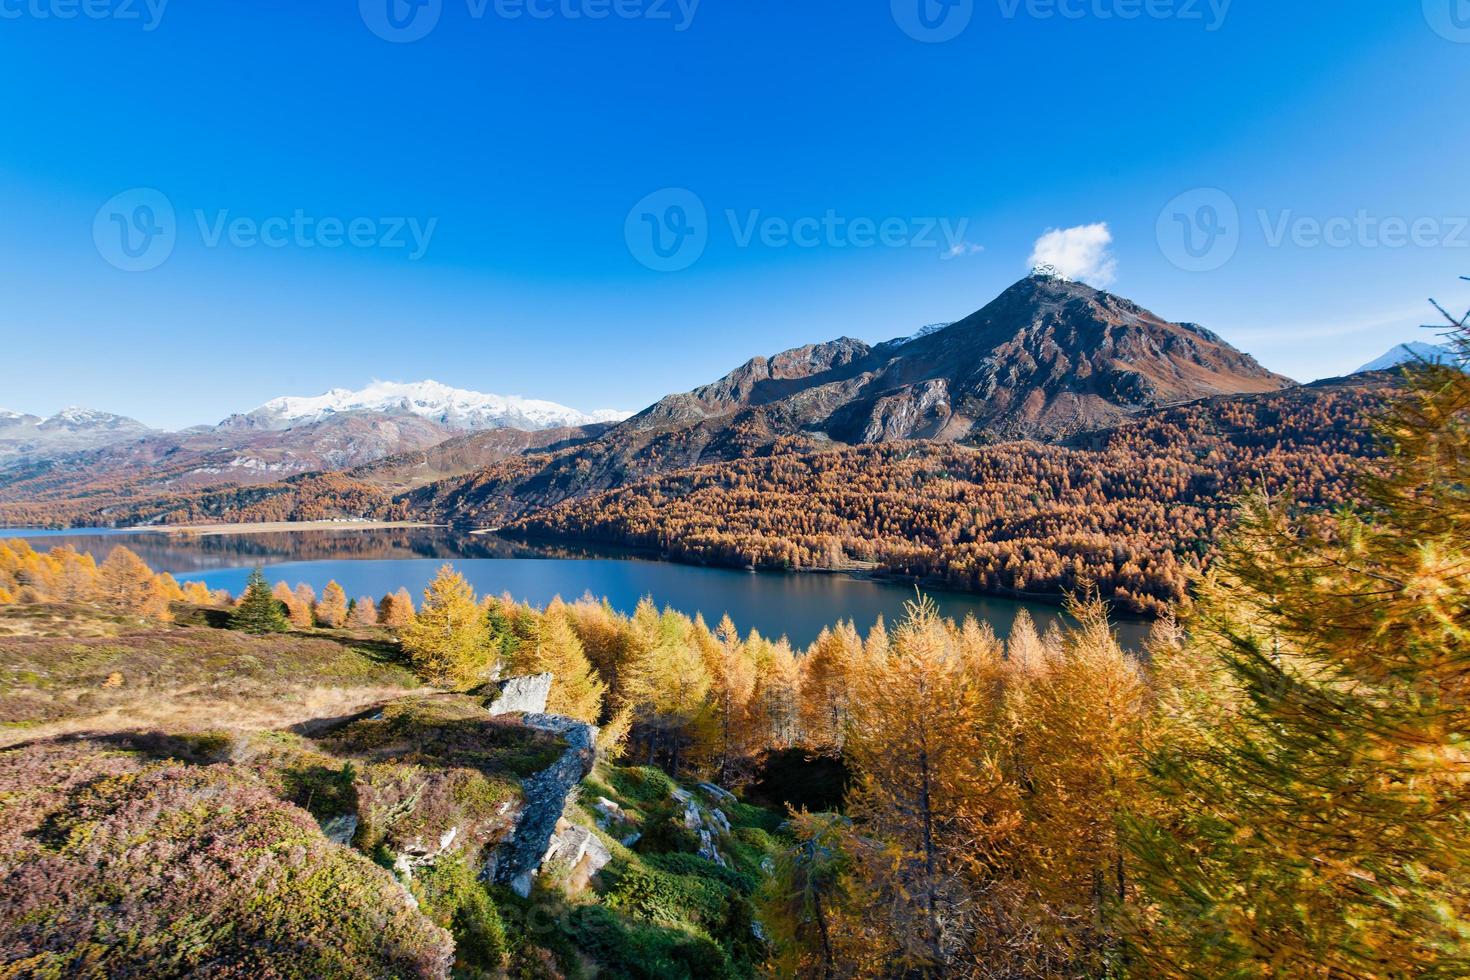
123, 582
1131, 511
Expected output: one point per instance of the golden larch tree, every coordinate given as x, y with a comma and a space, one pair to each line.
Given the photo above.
448, 642
331, 609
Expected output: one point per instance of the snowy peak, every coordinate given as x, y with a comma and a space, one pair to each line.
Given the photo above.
454, 408
24, 437
924, 331
1410, 353
74, 418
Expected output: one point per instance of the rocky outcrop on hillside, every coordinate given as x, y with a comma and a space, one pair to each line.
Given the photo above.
526, 695
518, 859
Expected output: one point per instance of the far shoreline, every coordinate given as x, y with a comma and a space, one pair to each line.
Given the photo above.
276, 527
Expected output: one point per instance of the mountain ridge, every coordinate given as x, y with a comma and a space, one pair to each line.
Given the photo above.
455, 408
1046, 359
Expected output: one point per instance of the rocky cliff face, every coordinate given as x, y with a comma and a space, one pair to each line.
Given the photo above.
505, 820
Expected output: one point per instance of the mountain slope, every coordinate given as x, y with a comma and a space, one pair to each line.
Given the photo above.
1124, 509
1046, 359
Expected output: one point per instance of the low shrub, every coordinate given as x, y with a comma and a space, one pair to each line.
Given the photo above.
646, 892
645, 951
116, 865
450, 895
693, 864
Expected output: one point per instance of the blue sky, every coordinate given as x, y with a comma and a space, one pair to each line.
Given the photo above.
519, 146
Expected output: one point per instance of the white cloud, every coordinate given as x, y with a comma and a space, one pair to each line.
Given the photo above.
963, 248
1078, 253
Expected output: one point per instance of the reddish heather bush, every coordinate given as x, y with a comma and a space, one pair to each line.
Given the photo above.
113, 864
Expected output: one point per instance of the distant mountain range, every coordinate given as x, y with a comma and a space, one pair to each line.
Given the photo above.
453, 408
69, 430
338, 430
1047, 360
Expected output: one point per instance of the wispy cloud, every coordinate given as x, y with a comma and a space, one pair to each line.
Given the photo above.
1080, 253
960, 249
1406, 317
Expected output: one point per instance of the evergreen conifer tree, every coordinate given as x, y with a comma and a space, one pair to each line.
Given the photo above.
259, 610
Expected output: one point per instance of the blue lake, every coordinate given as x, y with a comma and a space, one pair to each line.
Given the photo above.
375, 562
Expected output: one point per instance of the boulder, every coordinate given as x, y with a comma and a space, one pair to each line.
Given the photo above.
608, 811
420, 854
707, 849
519, 694
716, 793
580, 850
340, 829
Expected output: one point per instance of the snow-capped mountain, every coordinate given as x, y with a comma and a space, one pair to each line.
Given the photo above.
74, 418
1405, 353
454, 408
24, 437
922, 332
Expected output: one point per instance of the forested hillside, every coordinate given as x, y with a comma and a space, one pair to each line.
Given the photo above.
1128, 509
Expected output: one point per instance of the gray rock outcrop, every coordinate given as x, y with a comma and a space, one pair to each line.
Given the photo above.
519, 694
516, 860
341, 829
580, 851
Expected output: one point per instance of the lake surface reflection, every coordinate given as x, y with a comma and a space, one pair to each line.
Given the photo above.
373, 562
